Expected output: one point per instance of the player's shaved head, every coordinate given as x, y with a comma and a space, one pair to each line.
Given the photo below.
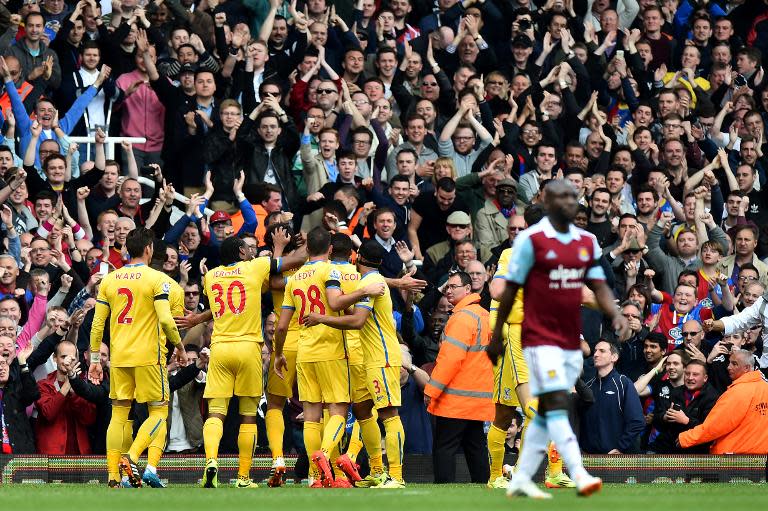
560, 200
233, 250
341, 247
318, 241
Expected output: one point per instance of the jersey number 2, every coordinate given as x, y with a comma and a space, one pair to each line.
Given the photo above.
123, 318
315, 303
219, 298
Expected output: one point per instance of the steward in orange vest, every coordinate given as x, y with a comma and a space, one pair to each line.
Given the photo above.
461, 385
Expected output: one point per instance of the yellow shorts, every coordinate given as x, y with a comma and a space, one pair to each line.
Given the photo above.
282, 386
235, 368
357, 383
145, 384
511, 369
384, 385
323, 382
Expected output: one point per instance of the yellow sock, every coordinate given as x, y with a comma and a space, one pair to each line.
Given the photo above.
155, 426
355, 442
395, 438
213, 429
275, 431
127, 436
115, 440
496, 438
246, 440
332, 433
371, 435
554, 461
312, 442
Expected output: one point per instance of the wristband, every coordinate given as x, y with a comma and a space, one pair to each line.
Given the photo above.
24, 367
411, 370
233, 51
95, 358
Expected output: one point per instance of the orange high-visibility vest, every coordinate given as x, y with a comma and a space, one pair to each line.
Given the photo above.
5, 100
461, 386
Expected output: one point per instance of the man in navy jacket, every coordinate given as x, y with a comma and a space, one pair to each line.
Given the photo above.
614, 422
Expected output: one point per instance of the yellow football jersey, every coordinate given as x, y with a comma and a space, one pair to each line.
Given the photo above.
175, 300
305, 293
516, 314
349, 278
234, 293
127, 297
291, 340
379, 335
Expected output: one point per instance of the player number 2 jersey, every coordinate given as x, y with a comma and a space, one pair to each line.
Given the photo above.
135, 336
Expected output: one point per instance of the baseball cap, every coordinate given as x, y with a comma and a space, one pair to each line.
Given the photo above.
507, 181
188, 68
522, 40
219, 216
458, 218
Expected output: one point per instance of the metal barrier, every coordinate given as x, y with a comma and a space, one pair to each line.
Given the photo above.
187, 469
109, 144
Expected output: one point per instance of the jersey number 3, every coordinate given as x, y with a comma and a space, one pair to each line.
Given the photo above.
219, 298
315, 303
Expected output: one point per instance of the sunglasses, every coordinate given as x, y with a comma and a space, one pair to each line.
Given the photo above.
326, 91
690, 334
271, 94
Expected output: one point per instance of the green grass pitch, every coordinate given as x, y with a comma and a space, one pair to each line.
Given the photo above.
416, 497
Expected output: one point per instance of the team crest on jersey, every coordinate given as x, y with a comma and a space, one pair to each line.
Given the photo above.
507, 394
707, 303
551, 374
551, 255
334, 275
583, 255
166, 287
664, 392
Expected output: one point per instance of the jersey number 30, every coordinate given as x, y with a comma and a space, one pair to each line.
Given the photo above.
219, 290
315, 303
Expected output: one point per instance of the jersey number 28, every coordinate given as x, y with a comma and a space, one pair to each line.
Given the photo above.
219, 298
313, 297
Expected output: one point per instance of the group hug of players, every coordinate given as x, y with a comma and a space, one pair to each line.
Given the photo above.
335, 337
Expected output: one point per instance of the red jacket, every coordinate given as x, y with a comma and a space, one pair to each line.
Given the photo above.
55, 414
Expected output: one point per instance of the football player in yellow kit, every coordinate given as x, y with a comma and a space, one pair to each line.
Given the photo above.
321, 360
279, 238
135, 300
374, 318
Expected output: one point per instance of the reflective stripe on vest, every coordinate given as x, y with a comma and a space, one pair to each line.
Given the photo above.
457, 392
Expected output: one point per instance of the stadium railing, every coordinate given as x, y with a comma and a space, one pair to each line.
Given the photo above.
186, 469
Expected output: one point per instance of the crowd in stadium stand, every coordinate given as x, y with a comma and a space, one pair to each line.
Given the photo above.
430, 126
